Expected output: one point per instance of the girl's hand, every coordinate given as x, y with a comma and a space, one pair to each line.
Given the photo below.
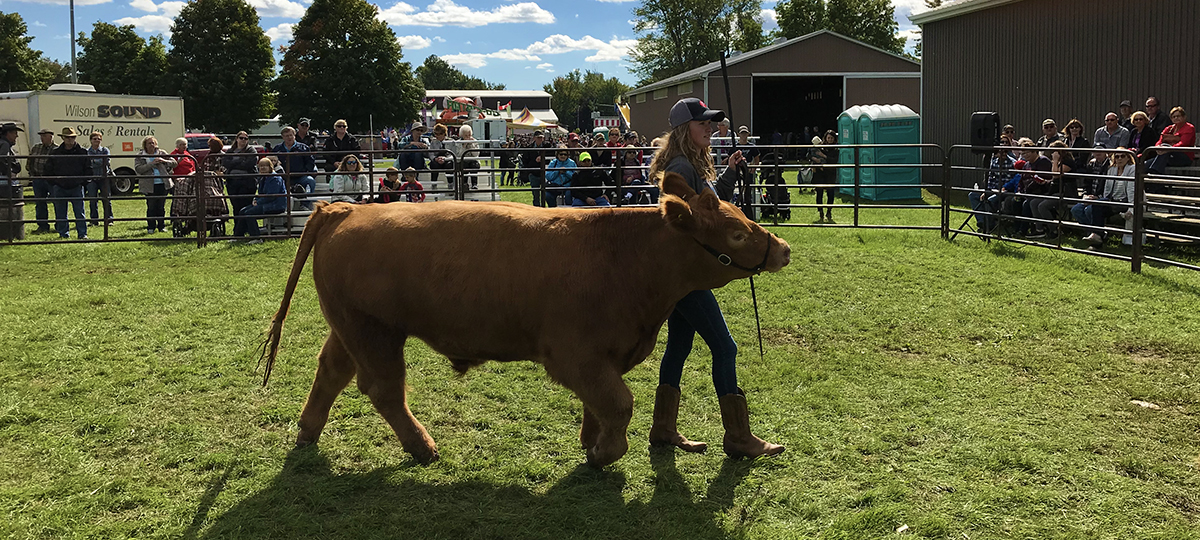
735, 159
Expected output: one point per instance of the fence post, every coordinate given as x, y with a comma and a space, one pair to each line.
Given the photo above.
371, 175
946, 195
201, 211
781, 185
857, 184
1139, 204
542, 185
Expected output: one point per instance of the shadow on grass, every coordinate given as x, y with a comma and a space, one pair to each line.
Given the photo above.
308, 500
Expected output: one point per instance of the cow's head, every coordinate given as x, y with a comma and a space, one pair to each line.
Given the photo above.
721, 229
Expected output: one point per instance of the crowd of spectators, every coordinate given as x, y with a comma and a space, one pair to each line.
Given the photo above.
1064, 175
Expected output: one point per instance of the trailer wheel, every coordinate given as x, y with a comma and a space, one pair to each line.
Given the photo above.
122, 182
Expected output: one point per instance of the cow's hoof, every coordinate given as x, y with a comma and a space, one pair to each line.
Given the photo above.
599, 458
306, 440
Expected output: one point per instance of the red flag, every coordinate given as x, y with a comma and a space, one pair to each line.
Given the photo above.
506, 106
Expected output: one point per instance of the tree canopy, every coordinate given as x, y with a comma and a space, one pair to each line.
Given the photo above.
116, 60
343, 62
437, 74
677, 35
221, 63
21, 66
589, 89
870, 21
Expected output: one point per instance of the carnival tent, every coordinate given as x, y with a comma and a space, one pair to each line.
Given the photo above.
527, 120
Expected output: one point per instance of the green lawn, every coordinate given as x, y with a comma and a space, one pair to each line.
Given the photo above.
963, 390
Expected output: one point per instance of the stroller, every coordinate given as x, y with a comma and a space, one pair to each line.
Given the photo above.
184, 204
776, 191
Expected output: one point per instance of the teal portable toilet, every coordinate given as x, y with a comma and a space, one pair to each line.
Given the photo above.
884, 124
848, 134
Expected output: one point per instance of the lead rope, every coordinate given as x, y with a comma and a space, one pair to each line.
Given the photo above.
747, 206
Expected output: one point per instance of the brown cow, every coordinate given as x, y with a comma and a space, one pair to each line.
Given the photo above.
582, 292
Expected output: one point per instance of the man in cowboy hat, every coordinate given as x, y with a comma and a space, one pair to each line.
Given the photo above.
41, 188
9, 166
70, 164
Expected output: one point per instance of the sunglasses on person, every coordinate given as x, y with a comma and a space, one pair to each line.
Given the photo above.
351, 162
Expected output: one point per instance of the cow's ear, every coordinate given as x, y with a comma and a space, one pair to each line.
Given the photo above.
707, 200
677, 213
674, 184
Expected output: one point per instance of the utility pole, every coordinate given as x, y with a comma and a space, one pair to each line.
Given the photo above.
74, 74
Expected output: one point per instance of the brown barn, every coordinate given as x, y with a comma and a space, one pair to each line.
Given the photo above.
803, 81
1034, 59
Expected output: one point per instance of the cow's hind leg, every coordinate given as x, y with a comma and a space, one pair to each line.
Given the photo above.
610, 404
378, 351
334, 371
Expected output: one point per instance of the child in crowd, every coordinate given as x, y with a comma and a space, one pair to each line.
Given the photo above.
389, 186
413, 190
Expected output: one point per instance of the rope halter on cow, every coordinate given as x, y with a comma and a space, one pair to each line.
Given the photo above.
726, 260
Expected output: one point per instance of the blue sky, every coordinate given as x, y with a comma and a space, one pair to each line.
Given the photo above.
521, 44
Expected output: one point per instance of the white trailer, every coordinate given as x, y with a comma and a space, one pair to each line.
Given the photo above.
123, 119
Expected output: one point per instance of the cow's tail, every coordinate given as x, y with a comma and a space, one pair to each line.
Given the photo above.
320, 217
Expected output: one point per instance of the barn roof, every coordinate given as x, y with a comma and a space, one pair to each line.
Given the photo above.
955, 8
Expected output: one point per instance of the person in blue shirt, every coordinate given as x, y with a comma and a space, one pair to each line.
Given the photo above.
300, 167
271, 200
559, 173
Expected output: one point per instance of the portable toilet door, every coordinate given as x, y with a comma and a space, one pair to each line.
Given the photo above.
847, 134
890, 124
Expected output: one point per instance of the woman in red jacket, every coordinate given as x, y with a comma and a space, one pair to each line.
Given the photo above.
1180, 133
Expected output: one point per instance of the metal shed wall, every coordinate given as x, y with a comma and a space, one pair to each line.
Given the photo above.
1060, 59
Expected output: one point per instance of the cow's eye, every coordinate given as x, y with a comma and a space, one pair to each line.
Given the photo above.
739, 237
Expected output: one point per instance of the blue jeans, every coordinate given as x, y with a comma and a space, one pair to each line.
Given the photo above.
535, 182
61, 197
634, 195
699, 313
247, 222
41, 190
984, 223
600, 201
156, 208
100, 189
1095, 215
1174, 159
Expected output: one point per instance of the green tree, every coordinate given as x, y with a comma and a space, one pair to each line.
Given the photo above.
678, 35
591, 89
60, 72
919, 48
869, 21
221, 62
148, 71
107, 55
437, 74
21, 67
343, 62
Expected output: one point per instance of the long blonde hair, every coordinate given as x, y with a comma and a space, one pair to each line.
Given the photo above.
679, 143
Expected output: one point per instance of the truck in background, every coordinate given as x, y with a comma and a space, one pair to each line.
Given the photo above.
123, 119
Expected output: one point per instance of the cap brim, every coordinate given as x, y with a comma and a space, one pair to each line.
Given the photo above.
712, 115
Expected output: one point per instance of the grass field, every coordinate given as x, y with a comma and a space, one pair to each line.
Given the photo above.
964, 390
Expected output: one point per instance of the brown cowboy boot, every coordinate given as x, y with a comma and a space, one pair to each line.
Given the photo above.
664, 430
739, 442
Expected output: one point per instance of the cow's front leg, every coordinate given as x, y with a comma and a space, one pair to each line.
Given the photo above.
589, 431
605, 395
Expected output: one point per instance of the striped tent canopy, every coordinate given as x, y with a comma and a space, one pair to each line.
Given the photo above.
527, 120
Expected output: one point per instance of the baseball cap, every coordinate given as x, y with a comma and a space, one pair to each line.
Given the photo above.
573, 137
418, 125
688, 109
1126, 103
584, 156
743, 129
45, 131
539, 133
304, 122
1048, 122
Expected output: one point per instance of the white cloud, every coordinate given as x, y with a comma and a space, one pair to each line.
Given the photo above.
913, 7
282, 32
278, 8
439, 39
151, 24
414, 42
769, 17
545, 66
169, 9
39, 24
912, 34
447, 13
605, 51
